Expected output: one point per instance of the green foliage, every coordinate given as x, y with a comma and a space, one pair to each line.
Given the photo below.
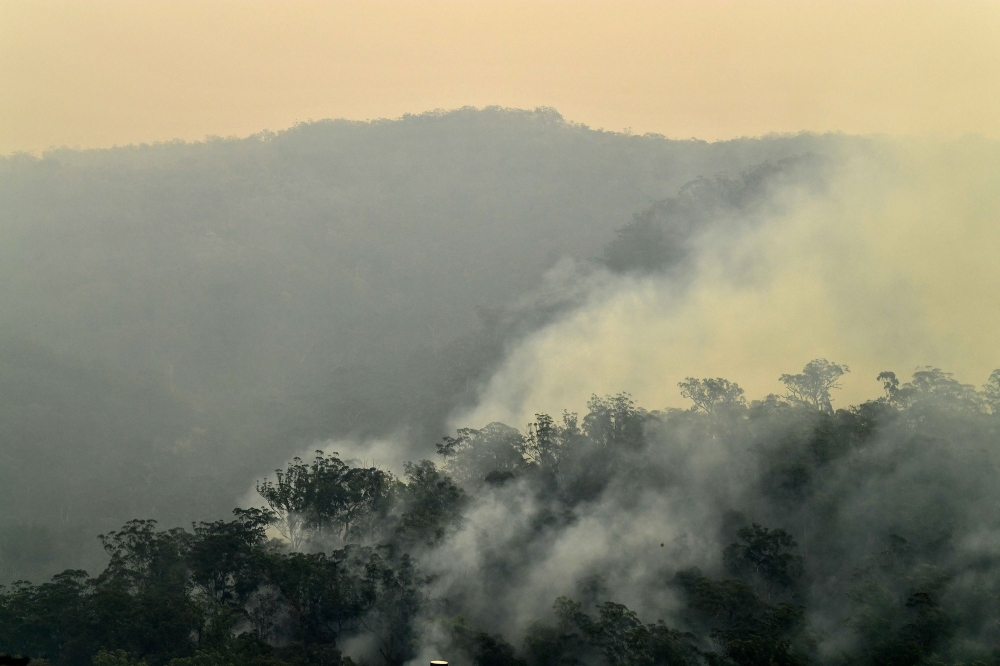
474, 454
712, 396
616, 635
297, 654
327, 494
432, 504
290, 498
353, 501
121, 658
170, 596
761, 556
812, 386
746, 630
482, 648
615, 422
544, 441
896, 609
222, 594
323, 594
142, 602
991, 392
48, 619
932, 388
394, 587
204, 658
545, 645
933, 384
224, 556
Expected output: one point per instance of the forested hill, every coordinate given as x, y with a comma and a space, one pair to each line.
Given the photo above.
180, 318
773, 532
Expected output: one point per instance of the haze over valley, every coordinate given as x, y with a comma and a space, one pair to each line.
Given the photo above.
489, 384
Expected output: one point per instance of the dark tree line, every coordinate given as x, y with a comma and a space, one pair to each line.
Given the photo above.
224, 592
802, 575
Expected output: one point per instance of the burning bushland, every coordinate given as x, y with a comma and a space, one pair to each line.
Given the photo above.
772, 531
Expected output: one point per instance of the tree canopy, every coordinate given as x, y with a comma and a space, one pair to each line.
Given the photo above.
838, 537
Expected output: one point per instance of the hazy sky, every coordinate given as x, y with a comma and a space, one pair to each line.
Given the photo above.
104, 73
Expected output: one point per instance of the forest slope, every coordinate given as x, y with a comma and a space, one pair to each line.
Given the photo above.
180, 317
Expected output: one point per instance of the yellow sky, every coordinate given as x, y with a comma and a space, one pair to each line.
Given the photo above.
102, 73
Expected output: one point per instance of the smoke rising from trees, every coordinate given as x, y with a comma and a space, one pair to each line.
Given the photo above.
794, 476
181, 318
876, 257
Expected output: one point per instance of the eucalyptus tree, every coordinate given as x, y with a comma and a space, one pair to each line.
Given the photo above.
813, 385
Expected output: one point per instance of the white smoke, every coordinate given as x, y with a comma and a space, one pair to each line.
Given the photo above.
892, 266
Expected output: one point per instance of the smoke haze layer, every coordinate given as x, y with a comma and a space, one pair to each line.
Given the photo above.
890, 264
182, 318
361, 289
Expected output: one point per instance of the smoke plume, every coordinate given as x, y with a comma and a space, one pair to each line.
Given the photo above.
890, 265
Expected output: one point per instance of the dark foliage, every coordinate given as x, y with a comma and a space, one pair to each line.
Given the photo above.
225, 594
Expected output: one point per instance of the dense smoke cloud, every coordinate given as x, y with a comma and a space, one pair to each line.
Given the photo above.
890, 264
